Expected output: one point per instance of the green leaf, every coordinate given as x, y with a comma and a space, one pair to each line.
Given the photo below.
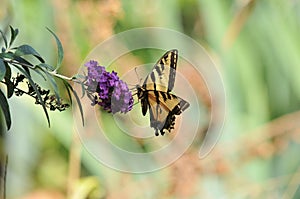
24, 63
46, 66
41, 73
4, 38
60, 50
80, 77
9, 83
5, 109
37, 92
13, 35
69, 93
54, 86
69, 87
8, 71
8, 55
82, 90
28, 50
10, 88
2, 70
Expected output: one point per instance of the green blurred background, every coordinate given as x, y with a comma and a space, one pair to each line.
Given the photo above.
256, 46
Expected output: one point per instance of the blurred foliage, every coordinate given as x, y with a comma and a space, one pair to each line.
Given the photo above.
255, 44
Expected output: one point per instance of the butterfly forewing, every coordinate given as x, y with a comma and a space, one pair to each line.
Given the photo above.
162, 76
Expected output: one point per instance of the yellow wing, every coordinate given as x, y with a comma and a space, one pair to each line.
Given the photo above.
163, 108
162, 76
155, 94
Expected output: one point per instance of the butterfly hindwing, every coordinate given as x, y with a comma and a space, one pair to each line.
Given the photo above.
163, 112
155, 94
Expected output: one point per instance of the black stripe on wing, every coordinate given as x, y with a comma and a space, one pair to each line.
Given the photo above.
163, 111
164, 72
173, 65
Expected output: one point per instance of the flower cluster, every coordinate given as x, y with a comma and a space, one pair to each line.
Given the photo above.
107, 89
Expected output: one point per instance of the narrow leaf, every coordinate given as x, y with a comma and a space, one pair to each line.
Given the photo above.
28, 50
5, 109
82, 77
60, 50
46, 66
4, 38
68, 86
8, 55
13, 35
2, 70
37, 92
69, 93
41, 73
8, 71
9, 83
10, 88
82, 90
54, 86
24, 63
79, 76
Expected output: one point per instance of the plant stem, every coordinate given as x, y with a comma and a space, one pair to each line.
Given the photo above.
11, 61
54, 73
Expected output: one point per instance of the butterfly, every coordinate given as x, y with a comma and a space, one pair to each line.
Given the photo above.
154, 94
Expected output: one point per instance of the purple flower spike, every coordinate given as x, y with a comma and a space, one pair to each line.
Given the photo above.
107, 90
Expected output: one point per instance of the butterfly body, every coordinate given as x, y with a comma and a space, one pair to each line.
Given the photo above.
155, 94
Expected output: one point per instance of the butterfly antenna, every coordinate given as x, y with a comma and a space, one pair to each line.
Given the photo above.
139, 79
133, 88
